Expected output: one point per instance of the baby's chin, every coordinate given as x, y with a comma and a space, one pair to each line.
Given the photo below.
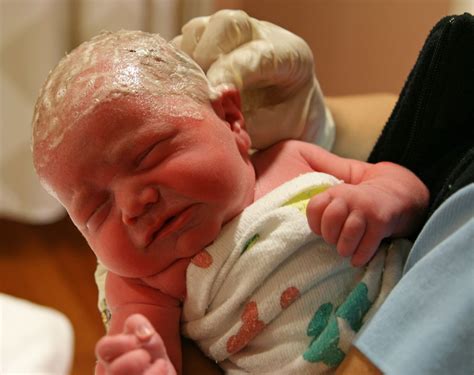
137, 263
161, 254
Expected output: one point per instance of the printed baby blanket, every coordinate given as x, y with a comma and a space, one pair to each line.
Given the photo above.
270, 296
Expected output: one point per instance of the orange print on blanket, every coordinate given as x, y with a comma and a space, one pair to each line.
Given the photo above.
250, 328
289, 296
202, 259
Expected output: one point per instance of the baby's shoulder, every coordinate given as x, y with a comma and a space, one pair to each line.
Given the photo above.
280, 163
283, 148
281, 152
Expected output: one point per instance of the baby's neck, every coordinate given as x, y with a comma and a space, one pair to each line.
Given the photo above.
275, 166
172, 280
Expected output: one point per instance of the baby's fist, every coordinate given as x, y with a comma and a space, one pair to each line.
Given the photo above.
139, 349
349, 217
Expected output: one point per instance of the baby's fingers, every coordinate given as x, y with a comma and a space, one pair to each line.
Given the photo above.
333, 219
100, 368
351, 234
147, 336
326, 216
315, 209
134, 362
367, 247
110, 347
161, 367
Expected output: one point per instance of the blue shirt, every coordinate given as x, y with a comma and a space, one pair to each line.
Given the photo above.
426, 325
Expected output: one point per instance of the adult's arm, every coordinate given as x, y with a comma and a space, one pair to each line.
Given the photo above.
430, 129
357, 363
272, 68
430, 132
425, 324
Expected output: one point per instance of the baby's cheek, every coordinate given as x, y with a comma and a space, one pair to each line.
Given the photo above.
193, 241
112, 248
115, 249
202, 177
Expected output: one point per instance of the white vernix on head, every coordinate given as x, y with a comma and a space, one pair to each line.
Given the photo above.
109, 66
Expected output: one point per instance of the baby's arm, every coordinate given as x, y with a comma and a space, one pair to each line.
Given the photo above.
132, 344
376, 201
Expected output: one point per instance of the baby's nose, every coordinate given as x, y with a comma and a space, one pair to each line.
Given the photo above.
134, 204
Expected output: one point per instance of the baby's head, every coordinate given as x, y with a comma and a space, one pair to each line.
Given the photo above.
109, 66
127, 137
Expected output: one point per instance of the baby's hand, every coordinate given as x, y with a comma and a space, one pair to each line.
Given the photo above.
351, 217
389, 201
139, 349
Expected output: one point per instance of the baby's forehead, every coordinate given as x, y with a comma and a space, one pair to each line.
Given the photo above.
116, 127
127, 119
77, 94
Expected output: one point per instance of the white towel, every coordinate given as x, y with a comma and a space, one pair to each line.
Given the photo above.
270, 296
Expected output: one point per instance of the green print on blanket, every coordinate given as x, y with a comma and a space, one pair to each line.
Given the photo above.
324, 328
301, 200
250, 243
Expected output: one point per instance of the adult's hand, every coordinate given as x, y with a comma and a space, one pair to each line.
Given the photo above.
271, 67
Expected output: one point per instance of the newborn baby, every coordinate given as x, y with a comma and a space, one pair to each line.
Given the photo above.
151, 166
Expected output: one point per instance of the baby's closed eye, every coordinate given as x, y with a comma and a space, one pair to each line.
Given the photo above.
98, 216
154, 153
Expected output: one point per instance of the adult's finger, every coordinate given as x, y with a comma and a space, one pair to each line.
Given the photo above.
225, 31
191, 34
249, 66
177, 41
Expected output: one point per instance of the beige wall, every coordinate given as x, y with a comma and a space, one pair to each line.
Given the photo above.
360, 46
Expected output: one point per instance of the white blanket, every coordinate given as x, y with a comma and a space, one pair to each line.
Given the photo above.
269, 296
35, 340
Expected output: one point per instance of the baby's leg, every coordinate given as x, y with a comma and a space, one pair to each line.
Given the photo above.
139, 349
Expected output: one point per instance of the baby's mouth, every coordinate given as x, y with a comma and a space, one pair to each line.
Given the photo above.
170, 225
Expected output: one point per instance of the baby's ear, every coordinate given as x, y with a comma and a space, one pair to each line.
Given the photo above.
228, 107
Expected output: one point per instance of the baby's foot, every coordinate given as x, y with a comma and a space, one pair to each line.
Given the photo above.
139, 349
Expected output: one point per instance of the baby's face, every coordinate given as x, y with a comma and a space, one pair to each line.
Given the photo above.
146, 186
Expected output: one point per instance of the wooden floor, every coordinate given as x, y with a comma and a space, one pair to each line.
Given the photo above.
52, 265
